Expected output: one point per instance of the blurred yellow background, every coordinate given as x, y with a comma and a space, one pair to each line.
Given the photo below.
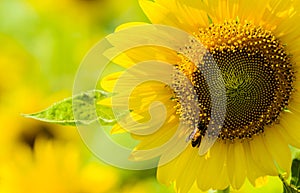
42, 44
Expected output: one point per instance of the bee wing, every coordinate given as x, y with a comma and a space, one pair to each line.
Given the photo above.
210, 137
206, 144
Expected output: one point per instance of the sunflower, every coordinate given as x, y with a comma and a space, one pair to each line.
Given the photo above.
255, 45
57, 166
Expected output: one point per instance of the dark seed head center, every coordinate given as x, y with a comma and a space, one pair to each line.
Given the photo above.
257, 74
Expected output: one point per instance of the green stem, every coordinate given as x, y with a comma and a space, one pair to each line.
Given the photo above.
227, 190
287, 187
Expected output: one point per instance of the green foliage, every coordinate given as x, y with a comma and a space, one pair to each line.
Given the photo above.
296, 173
84, 106
294, 185
227, 190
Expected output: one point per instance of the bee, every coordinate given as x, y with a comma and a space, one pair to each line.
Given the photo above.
197, 136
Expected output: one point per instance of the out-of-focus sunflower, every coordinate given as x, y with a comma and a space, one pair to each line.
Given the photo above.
39, 157
54, 167
34, 156
255, 44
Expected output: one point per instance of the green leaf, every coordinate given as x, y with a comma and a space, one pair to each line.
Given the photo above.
294, 185
296, 173
84, 105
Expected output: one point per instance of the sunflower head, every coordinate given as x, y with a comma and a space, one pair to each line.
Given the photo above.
257, 74
233, 91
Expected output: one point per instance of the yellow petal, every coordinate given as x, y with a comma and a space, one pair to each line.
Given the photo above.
129, 24
177, 144
231, 9
144, 95
136, 55
189, 162
117, 129
167, 173
292, 140
189, 13
253, 171
213, 173
160, 137
108, 82
157, 13
105, 102
176, 168
262, 156
278, 148
236, 164
291, 125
